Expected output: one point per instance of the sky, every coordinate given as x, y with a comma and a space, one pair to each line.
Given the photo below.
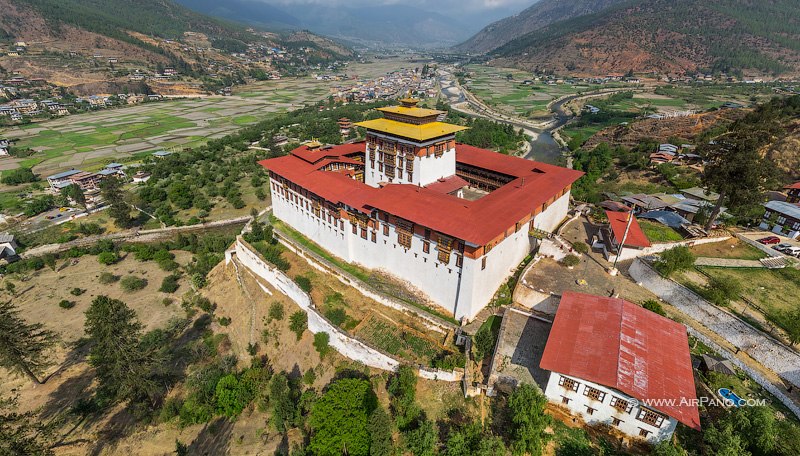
475, 12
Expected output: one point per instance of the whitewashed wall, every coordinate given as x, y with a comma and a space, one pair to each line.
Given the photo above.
604, 412
630, 253
339, 340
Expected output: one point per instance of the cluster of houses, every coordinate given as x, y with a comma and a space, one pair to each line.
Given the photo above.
783, 217
388, 86
4, 146
680, 155
679, 210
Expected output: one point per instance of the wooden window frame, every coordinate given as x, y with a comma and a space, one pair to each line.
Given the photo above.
594, 393
569, 384
621, 404
651, 417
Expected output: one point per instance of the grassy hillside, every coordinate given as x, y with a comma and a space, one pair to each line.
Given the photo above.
668, 36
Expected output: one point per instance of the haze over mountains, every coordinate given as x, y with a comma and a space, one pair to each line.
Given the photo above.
370, 24
662, 36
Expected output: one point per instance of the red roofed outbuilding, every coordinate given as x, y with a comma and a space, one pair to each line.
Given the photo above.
793, 193
613, 362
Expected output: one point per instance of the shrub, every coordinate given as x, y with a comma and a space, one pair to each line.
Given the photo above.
132, 283
571, 261
675, 259
449, 361
298, 322
275, 312
18, 176
232, 396
304, 283
167, 301
66, 304
322, 343
336, 316
581, 247
107, 258
77, 291
107, 278
309, 377
252, 349
169, 284
224, 321
721, 290
654, 306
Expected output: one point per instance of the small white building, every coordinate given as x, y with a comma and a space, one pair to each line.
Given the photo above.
8, 247
615, 363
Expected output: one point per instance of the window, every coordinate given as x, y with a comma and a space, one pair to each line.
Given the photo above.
650, 417
589, 410
621, 404
615, 421
643, 432
459, 261
385, 230
427, 233
363, 233
568, 383
405, 232
483, 263
445, 247
593, 393
565, 400
355, 228
426, 246
374, 236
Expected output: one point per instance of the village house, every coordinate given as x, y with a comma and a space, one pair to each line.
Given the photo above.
8, 248
83, 179
792, 192
615, 363
141, 177
782, 217
623, 231
392, 203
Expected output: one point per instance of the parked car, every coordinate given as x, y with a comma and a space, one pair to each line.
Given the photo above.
769, 240
793, 251
781, 247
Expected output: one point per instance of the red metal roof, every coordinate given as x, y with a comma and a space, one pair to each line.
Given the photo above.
619, 221
620, 345
477, 222
796, 185
447, 184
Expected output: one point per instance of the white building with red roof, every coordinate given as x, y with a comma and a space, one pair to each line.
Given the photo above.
450, 219
613, 362
793, 193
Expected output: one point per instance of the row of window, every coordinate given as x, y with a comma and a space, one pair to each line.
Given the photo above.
644, 415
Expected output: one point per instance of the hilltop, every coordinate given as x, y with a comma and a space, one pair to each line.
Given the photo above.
535, 17
666, 37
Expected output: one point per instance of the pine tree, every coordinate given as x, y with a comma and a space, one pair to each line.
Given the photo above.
124, 369
23, 433
120, 211
23, 346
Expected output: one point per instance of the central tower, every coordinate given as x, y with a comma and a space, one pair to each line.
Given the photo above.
409, 145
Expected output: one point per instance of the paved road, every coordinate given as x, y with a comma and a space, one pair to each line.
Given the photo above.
728, 263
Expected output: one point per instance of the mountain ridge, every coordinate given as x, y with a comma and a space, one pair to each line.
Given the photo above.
666, 37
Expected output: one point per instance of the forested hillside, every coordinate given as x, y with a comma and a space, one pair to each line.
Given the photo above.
667, 36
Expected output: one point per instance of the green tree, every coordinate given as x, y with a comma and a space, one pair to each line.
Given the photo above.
722, 440
298, 322
18, 176
526, 405
421, 441
736, 170
232, 396
667, 448
654, 306
339, 419
380, 433
281, 401
322, 343
675, 259
120, 211
23, 433
124, 369
23, 346
75, 193
472, 440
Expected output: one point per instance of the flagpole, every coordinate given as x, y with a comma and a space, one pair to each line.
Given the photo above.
613, 270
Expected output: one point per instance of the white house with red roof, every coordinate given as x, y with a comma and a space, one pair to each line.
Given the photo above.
623, 237
452, 220
613, 362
